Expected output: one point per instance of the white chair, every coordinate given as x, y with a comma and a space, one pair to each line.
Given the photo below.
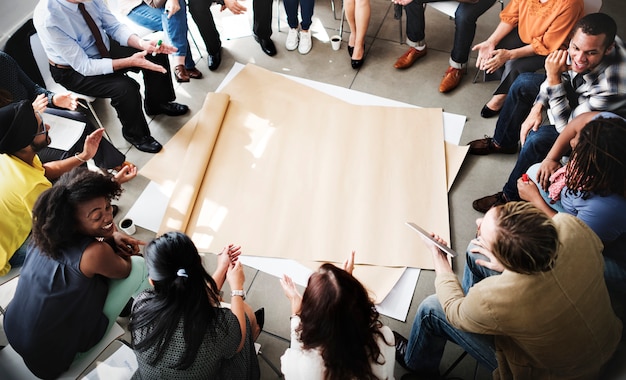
44, 68
8, 285
12, 366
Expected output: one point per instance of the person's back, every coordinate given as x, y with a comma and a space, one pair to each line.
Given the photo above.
54, 299
560, 323
216, 357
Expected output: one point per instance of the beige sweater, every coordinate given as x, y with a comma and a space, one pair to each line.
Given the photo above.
553, 325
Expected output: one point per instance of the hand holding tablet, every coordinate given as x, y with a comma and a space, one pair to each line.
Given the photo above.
426, 234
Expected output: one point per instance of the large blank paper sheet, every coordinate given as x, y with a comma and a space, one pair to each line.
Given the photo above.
315, 179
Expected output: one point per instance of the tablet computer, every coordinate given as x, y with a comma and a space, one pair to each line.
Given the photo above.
426, 234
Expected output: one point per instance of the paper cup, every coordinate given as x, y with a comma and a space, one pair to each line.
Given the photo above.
128, 226
335, 42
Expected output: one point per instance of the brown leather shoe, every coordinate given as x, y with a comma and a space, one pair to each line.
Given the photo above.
485, 203
181, 73
409, 58
194, 73
485, 146
451, 79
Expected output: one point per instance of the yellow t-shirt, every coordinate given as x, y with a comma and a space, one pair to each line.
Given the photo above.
20, 187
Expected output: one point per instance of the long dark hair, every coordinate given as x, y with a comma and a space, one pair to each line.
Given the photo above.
598, 161
183, 290
54, 213
339, 319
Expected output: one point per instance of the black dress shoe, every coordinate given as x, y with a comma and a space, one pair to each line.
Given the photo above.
260, 317
146, 144
401, 345
350, 50
215, 60
114, 210
487, 112
267, 45
169, 108
357, 63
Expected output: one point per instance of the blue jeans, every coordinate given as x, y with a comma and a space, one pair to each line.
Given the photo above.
464, 21
429, 334
175, 27
532, 175
473, 272
516, 108
306, 11
535, 149
17, 260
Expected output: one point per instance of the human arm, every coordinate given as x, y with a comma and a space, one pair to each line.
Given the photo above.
529, 191
100, 258
487, 48
236, 278
54, 169
126, 245
126, 173
225, 259
561, 146
234, 6
292, 294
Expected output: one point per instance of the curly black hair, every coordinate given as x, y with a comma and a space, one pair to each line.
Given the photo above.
54, 213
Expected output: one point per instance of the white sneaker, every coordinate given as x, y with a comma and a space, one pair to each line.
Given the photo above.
292, 39
305, 42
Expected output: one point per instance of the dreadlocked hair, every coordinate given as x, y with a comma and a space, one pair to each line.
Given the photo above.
597, 164
54, 213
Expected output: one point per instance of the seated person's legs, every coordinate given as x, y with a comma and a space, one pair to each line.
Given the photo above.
516, 108
429, 334
532, 176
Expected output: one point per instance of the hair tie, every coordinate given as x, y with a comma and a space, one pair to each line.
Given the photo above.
181, 273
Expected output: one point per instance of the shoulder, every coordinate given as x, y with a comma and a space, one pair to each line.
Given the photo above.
302, 364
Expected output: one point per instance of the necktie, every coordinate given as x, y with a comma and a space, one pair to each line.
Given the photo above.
104, 53
578, 81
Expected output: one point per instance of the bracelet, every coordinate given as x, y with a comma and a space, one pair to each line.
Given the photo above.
78, 158
238, 293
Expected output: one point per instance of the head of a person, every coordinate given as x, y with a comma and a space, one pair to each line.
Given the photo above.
592, 39
339, 319
79, 204
522, 237
21, 127
598, 160
183, 290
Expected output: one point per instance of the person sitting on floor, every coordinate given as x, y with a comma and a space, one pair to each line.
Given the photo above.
595, 81
78, 275
178, 328
24, 177
335, 329
16, 86
592, 187
522, 304
90, 51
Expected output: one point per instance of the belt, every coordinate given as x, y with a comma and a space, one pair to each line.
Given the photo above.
59, 66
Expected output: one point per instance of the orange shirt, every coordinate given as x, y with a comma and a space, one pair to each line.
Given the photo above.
544, 26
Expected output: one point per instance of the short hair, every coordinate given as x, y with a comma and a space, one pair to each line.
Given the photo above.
595, 24
340, 320
526, 240
54, 213
598, 161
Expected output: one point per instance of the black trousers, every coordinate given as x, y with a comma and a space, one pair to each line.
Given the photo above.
123, 90
202, 16
107, 156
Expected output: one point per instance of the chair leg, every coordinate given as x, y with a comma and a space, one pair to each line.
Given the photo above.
453, 366
197, 47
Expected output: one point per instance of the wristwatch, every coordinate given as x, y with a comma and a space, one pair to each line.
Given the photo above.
238, 293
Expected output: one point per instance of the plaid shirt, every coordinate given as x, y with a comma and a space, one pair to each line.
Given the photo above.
604, 89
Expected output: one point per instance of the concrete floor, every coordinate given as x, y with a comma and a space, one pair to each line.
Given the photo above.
418, 85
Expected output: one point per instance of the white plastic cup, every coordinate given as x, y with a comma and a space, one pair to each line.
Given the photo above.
128, 226
335, 42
